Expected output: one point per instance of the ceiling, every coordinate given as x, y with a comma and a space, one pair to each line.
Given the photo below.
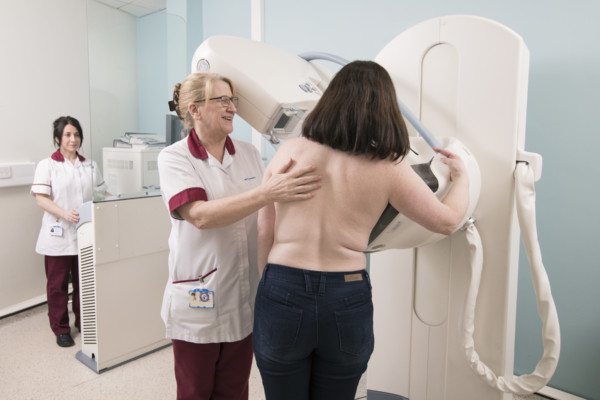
138, 8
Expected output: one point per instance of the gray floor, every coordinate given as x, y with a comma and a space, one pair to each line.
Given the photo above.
33, 367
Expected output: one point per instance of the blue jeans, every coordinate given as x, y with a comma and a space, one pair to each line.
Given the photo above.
313, 332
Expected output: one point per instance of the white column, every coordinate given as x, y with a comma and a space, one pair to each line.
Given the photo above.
257, 32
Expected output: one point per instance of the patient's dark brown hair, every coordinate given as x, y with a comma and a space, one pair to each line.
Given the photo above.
358, 113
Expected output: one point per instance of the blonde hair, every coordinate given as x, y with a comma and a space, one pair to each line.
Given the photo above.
195, 87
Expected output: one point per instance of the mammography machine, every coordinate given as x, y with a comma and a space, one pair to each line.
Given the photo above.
444, 306
466, 77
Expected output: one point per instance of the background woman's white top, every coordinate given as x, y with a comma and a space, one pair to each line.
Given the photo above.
69, 186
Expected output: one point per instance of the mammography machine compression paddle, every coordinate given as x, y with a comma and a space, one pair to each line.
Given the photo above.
466, 79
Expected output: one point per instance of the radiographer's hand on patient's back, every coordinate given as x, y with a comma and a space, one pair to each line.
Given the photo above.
291, 184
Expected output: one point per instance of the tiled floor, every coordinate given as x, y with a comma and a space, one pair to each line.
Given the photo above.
33, 367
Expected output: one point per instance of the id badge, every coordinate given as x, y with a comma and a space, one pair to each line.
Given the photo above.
202, 298
56, 230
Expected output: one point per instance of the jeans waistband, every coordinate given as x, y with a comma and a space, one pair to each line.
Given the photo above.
310, 277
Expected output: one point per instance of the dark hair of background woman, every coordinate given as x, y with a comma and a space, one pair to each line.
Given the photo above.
359, 114
59, 126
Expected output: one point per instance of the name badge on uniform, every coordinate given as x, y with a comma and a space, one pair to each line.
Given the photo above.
202, 298
56, 230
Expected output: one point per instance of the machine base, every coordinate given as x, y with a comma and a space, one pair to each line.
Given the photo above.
376, 395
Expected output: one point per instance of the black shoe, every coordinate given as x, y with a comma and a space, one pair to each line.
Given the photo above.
64, 340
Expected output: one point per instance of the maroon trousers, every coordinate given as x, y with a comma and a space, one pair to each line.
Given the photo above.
212, 371
58, 270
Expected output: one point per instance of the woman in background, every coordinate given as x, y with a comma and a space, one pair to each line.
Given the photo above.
62, 183
313, 327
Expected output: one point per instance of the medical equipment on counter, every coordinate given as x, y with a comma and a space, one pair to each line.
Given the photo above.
417, 352
130, 170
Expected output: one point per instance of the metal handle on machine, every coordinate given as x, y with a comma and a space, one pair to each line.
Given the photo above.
524, 384
406, 112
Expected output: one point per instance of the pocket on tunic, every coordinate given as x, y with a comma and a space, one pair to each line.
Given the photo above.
184, 309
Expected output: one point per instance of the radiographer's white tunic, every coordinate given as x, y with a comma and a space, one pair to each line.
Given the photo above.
69, 186
189, 173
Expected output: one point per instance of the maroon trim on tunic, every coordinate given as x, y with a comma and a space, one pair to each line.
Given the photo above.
57, 156
196, 147
229, 146
198, 150
184, 197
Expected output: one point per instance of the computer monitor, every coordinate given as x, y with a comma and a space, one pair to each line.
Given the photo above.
175, 129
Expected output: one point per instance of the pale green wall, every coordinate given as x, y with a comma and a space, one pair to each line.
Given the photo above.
152, 66
229, 17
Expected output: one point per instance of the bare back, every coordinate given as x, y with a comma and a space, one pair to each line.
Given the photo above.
331, 230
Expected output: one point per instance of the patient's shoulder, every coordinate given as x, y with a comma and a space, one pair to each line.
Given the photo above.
299, 148
296, 143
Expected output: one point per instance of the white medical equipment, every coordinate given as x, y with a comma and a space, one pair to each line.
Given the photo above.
130, 170
274, 103
123, 258
396, 231
419, 294
277, 90
466, 77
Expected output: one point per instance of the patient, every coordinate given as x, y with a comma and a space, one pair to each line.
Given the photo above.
313, 328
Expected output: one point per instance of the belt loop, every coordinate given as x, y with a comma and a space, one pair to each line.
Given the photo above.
263, 278
307, 282
368, 278
322, 282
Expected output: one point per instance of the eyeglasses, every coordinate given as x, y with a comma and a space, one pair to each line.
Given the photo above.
225, 101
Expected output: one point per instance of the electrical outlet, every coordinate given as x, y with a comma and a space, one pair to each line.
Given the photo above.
5, 172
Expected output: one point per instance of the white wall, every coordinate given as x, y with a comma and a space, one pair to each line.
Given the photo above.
43, 75
113, 75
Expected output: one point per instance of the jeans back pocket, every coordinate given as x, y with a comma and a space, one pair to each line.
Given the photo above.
355, 326
277, 321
